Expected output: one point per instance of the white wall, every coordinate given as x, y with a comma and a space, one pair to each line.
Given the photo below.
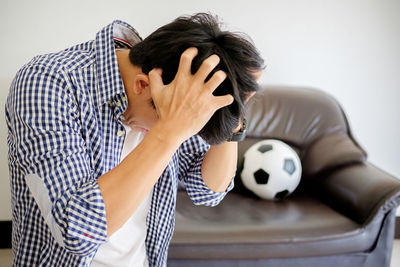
349, 48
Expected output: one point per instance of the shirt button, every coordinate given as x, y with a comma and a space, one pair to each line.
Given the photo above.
120, 133
118, 104
123, 98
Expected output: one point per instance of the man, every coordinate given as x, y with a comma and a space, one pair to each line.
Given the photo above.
99, 135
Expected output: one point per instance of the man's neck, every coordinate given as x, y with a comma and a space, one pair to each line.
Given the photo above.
127, 69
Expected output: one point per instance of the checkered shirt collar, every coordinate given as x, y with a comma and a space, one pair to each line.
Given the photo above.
109, 79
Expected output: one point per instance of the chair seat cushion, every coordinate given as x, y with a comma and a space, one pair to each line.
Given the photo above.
241, 227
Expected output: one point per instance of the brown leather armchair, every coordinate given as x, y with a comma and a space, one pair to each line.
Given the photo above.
342, 214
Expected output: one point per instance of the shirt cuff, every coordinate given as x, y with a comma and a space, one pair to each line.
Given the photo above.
199, 192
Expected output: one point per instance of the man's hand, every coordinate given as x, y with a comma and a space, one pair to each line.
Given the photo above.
186, 104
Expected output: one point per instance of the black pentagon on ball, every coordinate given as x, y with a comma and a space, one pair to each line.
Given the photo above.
264, 148
282, 194
289, 166
261, 176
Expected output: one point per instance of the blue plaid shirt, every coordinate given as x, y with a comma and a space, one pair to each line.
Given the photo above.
63, 114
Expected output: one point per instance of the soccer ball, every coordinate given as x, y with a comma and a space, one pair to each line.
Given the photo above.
271, 169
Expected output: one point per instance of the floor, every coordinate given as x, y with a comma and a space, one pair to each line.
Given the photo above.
6, 256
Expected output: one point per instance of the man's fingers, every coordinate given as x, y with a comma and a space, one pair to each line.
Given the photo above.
223, 101
207, 66
217, 78
156, 81
185, 62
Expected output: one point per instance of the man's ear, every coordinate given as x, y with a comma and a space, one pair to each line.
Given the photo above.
141, 83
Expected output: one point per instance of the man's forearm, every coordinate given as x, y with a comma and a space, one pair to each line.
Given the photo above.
219, 165
124, 187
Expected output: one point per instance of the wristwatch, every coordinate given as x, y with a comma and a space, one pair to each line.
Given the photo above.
239, 136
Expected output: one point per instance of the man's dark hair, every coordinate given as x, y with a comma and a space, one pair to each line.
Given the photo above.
239, 59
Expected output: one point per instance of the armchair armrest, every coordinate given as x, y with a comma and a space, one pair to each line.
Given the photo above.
359, 191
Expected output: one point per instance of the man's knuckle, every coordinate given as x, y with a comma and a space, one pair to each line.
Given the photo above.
179, 82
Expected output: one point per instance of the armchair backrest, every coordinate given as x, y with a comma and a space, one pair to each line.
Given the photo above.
309, 120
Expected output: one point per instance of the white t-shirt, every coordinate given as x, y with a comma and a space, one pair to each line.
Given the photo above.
126, 247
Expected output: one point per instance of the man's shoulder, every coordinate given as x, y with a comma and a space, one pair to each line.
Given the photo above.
70, 59
48, 76
52, 70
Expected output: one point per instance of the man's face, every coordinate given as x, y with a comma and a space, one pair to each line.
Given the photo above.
141, 113
257, 76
